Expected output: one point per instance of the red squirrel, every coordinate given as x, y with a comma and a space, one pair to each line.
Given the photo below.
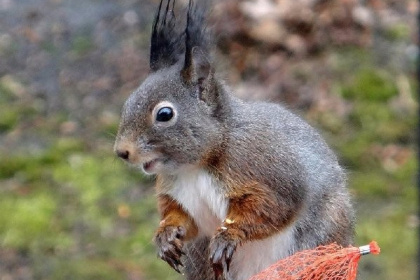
239, 184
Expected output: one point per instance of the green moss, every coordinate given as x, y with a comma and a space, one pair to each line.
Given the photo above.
100, 269
329, 122
61, 205
10, 114
370, 184
398, 32
9, 117
354, 149
82, 45
396, 238
26, 221
368, 115
406, 172
385, 194
33, 167
370, 84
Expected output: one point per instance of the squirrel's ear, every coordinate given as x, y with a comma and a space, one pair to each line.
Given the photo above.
200, 74
201, 66
198, 70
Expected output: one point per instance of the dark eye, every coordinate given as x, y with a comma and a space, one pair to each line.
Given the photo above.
164, 114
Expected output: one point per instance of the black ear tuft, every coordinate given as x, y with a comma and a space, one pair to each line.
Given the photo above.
196, 62
167, 40
169, 43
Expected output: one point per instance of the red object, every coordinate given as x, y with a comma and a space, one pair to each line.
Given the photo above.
331, 262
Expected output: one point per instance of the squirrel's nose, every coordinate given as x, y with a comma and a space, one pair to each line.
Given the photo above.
126, 150
124, 154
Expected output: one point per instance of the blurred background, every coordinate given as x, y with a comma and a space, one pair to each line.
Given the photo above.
70, 210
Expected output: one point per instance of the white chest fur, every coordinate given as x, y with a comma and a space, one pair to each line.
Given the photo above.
200, 195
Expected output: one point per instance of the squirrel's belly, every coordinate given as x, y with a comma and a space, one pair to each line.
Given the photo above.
255, 256
201, 196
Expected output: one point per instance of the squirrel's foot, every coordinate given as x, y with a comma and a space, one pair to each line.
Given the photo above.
222, 247
168, 240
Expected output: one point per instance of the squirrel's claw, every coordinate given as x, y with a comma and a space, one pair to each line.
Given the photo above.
221, 252
174, 263
168, 240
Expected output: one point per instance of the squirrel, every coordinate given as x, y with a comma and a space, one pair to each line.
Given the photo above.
239, 184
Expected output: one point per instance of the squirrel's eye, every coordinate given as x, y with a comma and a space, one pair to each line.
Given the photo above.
164, 114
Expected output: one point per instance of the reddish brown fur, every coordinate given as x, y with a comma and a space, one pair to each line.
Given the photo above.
255, 207
255, 212
172, 214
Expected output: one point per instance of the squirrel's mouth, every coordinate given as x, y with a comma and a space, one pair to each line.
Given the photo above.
150, 166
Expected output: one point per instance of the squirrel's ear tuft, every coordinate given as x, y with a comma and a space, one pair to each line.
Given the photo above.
196, 61
166, 46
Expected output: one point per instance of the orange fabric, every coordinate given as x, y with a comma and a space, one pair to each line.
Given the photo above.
331, 262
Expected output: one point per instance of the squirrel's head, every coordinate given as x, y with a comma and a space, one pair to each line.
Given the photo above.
175, 117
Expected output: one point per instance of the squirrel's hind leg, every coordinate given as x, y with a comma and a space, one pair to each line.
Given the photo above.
196, 260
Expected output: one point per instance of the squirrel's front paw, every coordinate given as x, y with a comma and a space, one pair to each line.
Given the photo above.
168, 240
222, 247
